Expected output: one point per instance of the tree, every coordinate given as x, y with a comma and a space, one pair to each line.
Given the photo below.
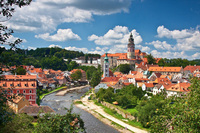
151, 59
161, 62
7, 9
19, 123
124, 68
76, 75
56, 123
86, 58
179, 114
96, 78
20, 71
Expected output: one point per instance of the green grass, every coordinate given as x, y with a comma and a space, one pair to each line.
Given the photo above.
78, 102
132, 111
120, 117
41, 96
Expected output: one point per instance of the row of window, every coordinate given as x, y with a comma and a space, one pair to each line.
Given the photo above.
19, 85
24, 91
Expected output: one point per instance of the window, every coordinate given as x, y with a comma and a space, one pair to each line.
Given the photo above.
26, 85
4, 85
11, 91
17, 91
30, 91
11, 84
30, 97
18, 84
32, 84
24, 91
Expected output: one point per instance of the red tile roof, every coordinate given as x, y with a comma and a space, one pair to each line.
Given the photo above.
191, 68
165, 69
149, 85
180, 87
110, 79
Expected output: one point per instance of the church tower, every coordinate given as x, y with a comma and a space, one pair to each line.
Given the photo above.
106, 67
131, 48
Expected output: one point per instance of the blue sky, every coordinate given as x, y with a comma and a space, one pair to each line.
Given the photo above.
164, 28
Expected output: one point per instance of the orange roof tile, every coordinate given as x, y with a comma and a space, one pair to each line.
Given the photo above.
126, 84
150, 85
165, 69
191, 68
117, 73
19, 76
74, 70
110, 79
180, 87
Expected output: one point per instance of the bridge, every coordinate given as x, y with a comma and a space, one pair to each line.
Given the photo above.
63, 92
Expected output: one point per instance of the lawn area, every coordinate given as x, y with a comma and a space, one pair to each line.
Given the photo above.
50, 92
132, 111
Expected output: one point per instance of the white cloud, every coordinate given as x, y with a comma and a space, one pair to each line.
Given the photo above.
187, 39
119, 35
53, 46
46, 15
61, 35
196, 55
161, 45
12, 39
169, 54
29, 48
84, 50
145, 49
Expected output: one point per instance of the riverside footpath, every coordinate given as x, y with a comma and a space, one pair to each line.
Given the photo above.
92, 108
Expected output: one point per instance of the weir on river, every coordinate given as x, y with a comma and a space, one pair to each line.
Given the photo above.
59, 103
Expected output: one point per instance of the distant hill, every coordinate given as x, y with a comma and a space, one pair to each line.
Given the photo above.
51, 58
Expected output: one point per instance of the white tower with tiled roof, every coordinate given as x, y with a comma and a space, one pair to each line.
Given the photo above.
131, 48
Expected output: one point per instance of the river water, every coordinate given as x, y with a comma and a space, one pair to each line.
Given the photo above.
59, 103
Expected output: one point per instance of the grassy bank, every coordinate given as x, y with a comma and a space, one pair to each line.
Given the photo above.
44, 94
120, 117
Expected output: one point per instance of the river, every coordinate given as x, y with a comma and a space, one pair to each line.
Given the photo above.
59, 103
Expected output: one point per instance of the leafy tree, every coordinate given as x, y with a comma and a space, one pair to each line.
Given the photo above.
56, 123
181, 115
124, 68
72, 65
19, 123
151, 59
147, 108
20, 71
76, 75
161, 62
96, 78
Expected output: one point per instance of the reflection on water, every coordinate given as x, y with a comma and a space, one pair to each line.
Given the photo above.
59, 103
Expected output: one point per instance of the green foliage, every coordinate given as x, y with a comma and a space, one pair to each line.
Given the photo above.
96, 78
19, 123
176, 62
20, 71
55, 123
127, 97
76, 75
151, 59
181, 113
124, 68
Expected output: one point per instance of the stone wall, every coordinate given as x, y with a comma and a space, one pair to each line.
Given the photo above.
125, 115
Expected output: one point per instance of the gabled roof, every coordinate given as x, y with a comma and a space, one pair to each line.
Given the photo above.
191, 68
110, 79
180, 87
36, 109
17, 99
165, 69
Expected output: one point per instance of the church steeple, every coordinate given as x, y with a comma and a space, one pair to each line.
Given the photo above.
106, 67
131, 48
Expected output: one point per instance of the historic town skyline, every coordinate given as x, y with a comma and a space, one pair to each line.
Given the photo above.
163, 28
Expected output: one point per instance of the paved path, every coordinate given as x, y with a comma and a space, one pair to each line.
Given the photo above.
91, 106
62, 93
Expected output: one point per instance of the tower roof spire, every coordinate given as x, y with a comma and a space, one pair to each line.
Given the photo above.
131, 38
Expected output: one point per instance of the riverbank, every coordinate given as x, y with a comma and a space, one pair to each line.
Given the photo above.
99, 113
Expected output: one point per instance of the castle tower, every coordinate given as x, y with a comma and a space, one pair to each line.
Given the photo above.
106, 67
131, 48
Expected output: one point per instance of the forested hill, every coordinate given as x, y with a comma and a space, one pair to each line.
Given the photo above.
51, 58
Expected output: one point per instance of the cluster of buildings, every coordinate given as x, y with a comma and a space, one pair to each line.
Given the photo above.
24, 87
151, 78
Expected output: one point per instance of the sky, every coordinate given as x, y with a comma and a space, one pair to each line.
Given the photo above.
163, 28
